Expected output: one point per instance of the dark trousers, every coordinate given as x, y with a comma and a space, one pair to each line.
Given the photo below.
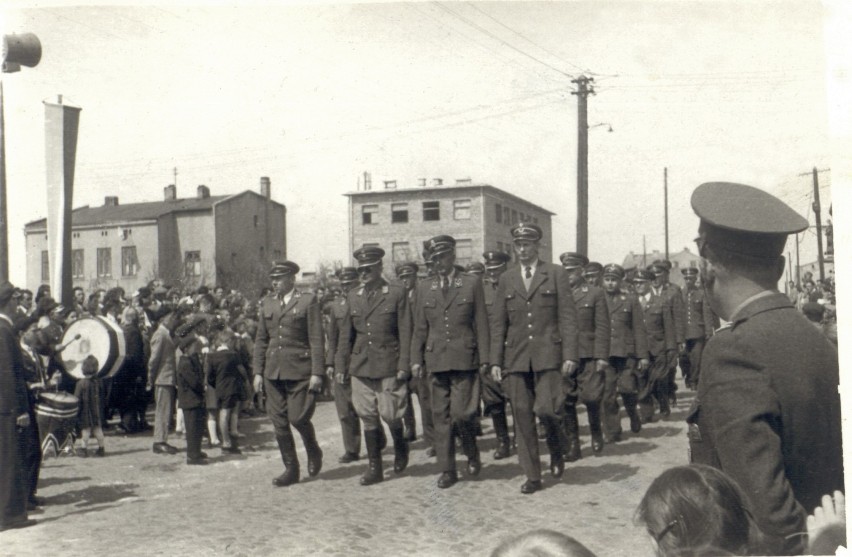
455, 401
689, 360
535, 393
350, 425
13, 493
422, 388
493, 397
288, 402
195, 423
29, 442
654, 385
620, 377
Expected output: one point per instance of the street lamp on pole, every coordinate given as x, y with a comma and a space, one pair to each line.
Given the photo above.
18, 50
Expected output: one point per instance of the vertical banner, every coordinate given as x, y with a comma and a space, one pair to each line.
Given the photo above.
60, 134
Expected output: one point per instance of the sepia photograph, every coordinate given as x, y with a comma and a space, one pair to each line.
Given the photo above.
486, 278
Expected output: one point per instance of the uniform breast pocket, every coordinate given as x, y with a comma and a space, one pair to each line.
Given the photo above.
624, 316
548, 298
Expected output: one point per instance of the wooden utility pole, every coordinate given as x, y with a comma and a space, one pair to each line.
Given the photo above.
644, 253
816, 208
666, 203
584, 88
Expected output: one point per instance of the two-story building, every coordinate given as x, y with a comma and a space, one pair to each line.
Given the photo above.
198, 240
478, 216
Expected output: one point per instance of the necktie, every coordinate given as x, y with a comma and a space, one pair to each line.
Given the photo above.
445, 285
528, 272
370, 294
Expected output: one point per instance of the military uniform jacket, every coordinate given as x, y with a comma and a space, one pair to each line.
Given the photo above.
699, 316
376, 333
659, 325
768, 415
489, 289
534, 330
450, 332
592, 321
14, 400
339, 309
674, 295
628, 337
289, 340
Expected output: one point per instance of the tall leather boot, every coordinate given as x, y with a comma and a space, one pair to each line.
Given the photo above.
467, 433
313, 449
572, 432
374, 472
287, 447
383, 439
400, 449
593, 410
632, 412
501, 429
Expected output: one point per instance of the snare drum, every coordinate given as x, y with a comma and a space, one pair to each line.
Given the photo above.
100, 338
56, 414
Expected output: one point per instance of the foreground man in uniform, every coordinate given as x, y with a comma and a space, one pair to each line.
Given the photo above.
533, 346
288, 359
375, 339
451, 338
768, 409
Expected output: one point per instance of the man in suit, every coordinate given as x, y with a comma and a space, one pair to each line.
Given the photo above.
288, 366
533, 346
375, 339
161, 377
350, 426
593, 349
698, 326
451, 338
628, 354
768, 408
659, 326
672, 293
493, 396
15, 417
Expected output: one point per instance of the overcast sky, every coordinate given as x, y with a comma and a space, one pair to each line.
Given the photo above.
312, 96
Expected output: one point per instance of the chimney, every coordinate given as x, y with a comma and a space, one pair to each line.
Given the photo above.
437, 182
203, 192
463, 181
368, 181
170, 192
421, 182
111, 201
265, 187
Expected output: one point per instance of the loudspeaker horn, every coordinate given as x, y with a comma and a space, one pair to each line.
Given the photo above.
20, 50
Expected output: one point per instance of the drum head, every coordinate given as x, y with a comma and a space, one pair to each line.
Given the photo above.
99, 338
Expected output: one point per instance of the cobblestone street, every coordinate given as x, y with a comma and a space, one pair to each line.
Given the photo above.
134, 502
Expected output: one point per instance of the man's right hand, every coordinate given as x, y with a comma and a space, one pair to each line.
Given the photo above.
329, 372
257, 383
496, 373
417, 370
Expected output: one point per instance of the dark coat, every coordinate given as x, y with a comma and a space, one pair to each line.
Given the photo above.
14, 400
768, 414
90, 393
190, 382
535, 330
592, 321
450, 332
659, 325
222, 370
699, 317
375, 335
289, 341
628, 337
339, 309
672, 293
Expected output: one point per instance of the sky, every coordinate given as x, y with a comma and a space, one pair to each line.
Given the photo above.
314, 95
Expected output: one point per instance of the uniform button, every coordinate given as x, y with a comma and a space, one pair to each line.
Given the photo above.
528, 302
368, 333
530, 325
530, 337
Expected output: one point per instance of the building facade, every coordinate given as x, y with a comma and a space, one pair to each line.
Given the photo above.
680, 260
478, 216
192, 241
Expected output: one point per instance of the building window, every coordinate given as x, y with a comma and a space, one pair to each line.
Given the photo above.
129, 262
77, 263
104, 262
400, 252
506, 217
499, 213
464, 251
369, 214
399, 212
514, 220
45, 266
192, 263
461, 209
431, 210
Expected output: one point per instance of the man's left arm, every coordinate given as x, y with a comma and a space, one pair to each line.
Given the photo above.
315, 337
603, 328
678, 309
403, 322
568, 329
480, 318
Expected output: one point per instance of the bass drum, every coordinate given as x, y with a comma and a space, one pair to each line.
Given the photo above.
100, 338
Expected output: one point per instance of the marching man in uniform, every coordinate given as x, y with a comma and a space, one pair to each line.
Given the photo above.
288, 362
698, 326
375, 340
533, 346
451, 338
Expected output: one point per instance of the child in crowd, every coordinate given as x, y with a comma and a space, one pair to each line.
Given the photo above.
222, 369
90, 393
190, 392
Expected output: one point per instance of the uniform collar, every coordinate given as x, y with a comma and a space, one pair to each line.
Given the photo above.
755, 304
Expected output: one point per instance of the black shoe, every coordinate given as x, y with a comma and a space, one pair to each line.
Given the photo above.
474, 465
430, 452
613, 439
573, 453
665, 411
164, 448
646, 420
231, 450
202, 454
100, 452
83, 453
18, 524
530, 486
315, 463
289, 477
503, 450
597, 444
447, 479
348, 457
196, 461
36, 501
557, 466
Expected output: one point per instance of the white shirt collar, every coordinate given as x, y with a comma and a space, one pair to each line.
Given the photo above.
533, 266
